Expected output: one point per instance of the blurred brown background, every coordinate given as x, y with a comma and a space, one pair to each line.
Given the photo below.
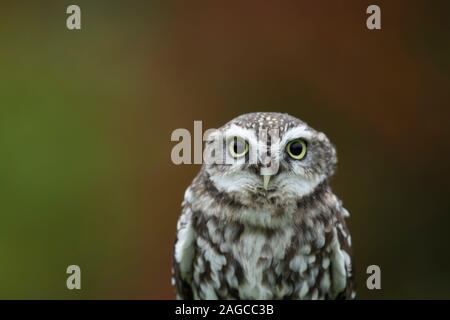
86, 117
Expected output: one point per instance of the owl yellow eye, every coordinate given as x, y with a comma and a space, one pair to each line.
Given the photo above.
296, 149
238, 147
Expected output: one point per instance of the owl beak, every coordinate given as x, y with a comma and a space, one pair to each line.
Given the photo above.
266, 180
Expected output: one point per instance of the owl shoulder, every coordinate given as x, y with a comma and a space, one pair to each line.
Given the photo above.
184, 250
342, 259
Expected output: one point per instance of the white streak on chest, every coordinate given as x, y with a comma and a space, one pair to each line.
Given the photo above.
256, 253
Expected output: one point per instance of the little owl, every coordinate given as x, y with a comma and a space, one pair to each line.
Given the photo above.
261, 221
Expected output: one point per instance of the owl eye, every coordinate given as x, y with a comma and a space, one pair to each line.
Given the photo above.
296, 149
238, 147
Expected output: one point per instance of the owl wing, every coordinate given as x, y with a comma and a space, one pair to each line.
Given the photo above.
184, 252
341, 262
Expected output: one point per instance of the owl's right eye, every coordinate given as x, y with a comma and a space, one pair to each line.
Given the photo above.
238, 147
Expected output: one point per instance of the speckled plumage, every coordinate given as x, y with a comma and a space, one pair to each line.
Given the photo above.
239, 240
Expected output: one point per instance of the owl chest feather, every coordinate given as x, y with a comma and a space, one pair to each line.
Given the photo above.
237, 261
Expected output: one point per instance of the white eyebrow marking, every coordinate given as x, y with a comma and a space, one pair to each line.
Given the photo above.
301, 131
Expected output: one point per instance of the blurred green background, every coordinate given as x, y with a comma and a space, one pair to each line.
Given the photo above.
86, 117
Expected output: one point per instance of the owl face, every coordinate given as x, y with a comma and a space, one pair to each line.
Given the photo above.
269, 158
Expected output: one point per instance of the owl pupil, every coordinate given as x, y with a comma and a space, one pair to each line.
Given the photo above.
296, 148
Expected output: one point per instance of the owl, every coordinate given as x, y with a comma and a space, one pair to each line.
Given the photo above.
261, 221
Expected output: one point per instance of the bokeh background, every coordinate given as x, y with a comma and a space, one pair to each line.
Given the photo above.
86, 118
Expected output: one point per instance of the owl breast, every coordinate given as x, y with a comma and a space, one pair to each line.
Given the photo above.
243, 262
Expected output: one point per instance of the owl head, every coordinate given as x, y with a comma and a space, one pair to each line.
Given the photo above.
268, 158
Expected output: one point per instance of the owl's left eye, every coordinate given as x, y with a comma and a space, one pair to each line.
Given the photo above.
238, 147
296, 149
